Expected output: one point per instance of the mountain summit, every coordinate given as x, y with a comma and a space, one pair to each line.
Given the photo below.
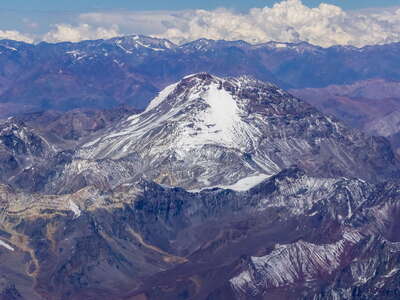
207, 131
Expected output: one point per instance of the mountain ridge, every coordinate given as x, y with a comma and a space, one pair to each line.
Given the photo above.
200, 40
131, 70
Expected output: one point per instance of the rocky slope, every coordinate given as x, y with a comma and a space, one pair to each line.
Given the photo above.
357, 104
372, 106
290, 237
23, 151
69, 129
34, 147
207, 131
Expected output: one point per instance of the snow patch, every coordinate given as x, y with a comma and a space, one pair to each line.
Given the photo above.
74, 208
9, 48
148, 46
214, 124
5, 245
76, 54
247, 183
160, 98
242, 185
118, 43
279, 45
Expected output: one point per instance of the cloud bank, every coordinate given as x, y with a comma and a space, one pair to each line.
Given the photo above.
287, 21
290, 21
65, 32
15, 35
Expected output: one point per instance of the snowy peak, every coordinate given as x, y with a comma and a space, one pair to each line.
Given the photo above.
204, 87
197, 93
207, 131
201, 110
206, 109
118, 49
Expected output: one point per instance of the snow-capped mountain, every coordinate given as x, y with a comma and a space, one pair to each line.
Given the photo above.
357, 85
129, 44
206, 131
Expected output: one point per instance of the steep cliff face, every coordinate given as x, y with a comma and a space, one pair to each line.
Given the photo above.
23, 150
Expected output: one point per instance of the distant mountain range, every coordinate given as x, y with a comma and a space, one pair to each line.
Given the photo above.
350, 83
132, 70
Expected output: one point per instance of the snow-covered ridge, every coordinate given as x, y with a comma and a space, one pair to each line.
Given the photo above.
76, 54
288, 264
9, 47
204, 113
184, 123
160, 98
130, 44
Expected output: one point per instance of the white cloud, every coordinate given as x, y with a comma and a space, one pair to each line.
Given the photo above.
144, 22
15, 35
289, 21
65, 32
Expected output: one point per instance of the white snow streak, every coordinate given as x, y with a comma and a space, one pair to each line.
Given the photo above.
242, 185
74, 208
5, 245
